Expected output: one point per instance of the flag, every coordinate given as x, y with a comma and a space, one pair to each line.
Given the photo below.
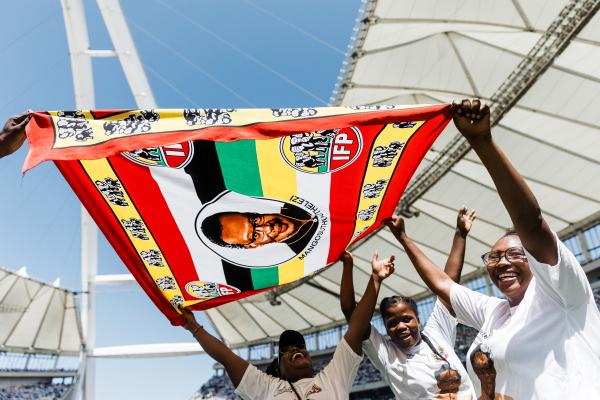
207, 206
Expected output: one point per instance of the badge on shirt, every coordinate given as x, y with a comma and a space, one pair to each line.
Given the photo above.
314, 389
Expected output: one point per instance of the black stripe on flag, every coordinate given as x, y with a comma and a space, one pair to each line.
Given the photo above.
205, 171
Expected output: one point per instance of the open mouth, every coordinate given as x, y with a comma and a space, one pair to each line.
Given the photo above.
507, 276
297, 355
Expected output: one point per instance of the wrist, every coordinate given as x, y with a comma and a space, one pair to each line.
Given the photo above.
480, 140
194, 329
376, 279
402, 238
461, 234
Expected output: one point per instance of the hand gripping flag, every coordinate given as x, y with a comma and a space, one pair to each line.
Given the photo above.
207, 206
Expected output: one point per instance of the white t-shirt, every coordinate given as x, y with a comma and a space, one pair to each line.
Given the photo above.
333, 382
547, 347
412, 374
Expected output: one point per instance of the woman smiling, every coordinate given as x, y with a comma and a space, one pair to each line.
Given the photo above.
542, 341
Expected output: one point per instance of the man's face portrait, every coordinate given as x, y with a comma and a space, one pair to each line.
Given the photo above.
253, 230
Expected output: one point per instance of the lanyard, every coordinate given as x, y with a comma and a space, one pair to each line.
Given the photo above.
437, 353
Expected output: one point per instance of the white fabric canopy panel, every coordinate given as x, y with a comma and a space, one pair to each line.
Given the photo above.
37, 317
423, 52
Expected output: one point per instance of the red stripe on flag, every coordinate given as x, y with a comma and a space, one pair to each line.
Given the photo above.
412, 155
342, 205
150, 203
96, 205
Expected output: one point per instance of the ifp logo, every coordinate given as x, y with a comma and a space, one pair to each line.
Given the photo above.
170, 156
321, 152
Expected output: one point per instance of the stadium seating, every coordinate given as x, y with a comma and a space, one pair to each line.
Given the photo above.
42, 391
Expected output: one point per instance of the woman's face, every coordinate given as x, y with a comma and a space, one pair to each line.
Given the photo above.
511, 277
402, 325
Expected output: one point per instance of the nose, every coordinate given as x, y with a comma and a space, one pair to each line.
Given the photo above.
503, 260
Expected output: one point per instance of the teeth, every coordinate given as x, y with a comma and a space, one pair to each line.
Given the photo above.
297, 355
507, 275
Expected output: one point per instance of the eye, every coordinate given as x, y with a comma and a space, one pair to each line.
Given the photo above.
515, 252
494, 257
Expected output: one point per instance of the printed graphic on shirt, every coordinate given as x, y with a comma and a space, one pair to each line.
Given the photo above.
482, 361
448, 380
314, 389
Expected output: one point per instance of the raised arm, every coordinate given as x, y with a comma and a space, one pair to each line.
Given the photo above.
235, 365
456, 258
347, 301
436, 279
361, 317
473, 121
12, 135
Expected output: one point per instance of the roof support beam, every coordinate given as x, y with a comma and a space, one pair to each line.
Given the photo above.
570, 21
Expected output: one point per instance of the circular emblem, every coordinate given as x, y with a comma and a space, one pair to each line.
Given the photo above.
171, 156
321, 152
209, 290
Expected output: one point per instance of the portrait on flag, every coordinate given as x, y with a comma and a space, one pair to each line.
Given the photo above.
255, 232
210, 206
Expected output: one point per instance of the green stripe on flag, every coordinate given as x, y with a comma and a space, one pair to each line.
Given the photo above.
265, 277
239, 167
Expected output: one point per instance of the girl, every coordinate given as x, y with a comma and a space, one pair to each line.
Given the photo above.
417, 364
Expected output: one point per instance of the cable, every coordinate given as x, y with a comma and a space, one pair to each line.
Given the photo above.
169, 84
191, 63
295, 27
34, 82
31, 30
244, 53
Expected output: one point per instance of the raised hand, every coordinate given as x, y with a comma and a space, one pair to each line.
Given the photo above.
12, 135
190, 321
472, 119
396, 225
347, 259
464, 221
381, 269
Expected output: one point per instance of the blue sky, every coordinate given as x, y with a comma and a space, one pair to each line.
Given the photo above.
217, 53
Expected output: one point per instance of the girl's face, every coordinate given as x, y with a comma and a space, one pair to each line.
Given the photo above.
402, 325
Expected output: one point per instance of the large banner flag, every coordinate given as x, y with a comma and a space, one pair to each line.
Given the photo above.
207, 206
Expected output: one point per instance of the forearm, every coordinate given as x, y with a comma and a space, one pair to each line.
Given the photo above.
434, 277
520, 202
456, 258
347, 301
360, 320
234, 365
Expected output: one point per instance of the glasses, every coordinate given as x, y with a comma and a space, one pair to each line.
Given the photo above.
512, 254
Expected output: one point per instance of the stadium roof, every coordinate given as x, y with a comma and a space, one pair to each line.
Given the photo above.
536, 62
37, 317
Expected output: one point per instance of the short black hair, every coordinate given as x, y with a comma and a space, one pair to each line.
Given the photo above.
387, 302
213, 229
510, 232
273, 368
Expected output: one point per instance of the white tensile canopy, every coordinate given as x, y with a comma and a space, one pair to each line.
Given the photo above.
538, 64
37, 317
